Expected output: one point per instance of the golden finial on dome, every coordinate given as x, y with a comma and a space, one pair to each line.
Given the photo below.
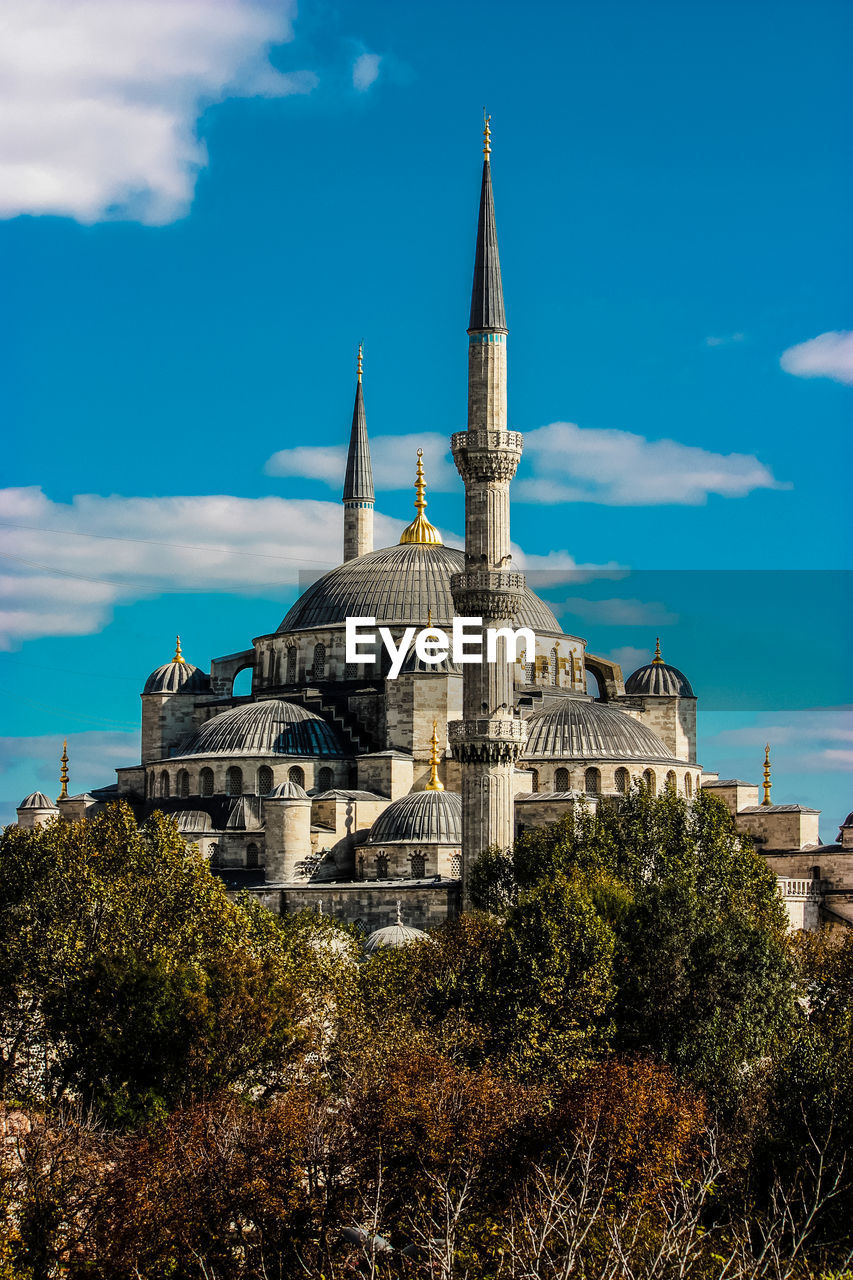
434, 784
179, 657
487, 135
63, 772
767, 783
420, 531
360, 360
657, 657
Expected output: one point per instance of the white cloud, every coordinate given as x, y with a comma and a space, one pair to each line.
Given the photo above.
99, 98
619, 468
87, 752
829, 355
394, 459
365, 71
630, 658
808, 740
724, 340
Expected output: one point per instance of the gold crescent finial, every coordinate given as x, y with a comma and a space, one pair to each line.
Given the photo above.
487, 135
657, 657
63, 772
767, 783
360, 359
179, 657
434, 784
420, 531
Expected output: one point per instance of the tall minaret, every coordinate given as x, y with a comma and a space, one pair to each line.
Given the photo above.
358, 496
489, 739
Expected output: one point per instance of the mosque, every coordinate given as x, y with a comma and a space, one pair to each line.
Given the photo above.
331, 786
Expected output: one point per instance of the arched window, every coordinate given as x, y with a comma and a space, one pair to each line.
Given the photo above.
570, 668
671, 782
234, 781
530, 672
650, 781
352, 671
164, 784
318, 666
182, 783
418, 866
205, 782
381, 865
264, 780
535, 775
296, 774
291, 664
555, 673
561, 780
152, 785
688, 786
325, 778
214, 855
251, 855
623, 781
456, 866
592, 782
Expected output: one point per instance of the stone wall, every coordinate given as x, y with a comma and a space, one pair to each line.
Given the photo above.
423, 906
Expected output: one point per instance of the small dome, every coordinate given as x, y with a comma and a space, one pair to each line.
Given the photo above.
193, 820
580, 729
848, 821
287, 791
270, 727
658, 679
177, 677
393, 935
37, 800
421, 817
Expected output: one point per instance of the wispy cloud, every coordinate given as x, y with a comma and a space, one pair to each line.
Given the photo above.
724, 340
808, 740
100, 99
829, 355
365, 71
619, 468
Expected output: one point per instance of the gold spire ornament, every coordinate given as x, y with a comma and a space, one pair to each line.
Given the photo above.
179, 657
767, 783
360, 360
434, 784
420, 532
487, 136
657, 657
63, 772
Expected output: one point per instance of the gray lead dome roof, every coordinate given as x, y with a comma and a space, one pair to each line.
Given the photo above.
580, 730
421, 817
177, 677
37, 800
661, 679
397, 585
270, 727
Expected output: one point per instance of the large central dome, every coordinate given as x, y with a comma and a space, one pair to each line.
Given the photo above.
398, 585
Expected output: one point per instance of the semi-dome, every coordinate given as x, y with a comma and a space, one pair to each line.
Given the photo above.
193, 820
270, 727
393, 935
658, 678
287, 791
177, 676
402, 585
421, 817
37, 800
580, 729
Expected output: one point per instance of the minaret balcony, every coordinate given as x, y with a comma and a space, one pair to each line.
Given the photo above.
486, 455
488, 593
488, 741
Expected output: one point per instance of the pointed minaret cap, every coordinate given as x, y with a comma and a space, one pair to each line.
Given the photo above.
358, 481
767, 783
435, 783
420, 530
487, 297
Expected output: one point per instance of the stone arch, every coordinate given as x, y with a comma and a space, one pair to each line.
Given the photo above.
561, 779
650, 782
164, 784
607, 676
671, 782
265, 780
381, 865
182, 783
623, 781
234, 780
592, 781
296, 774
205, 782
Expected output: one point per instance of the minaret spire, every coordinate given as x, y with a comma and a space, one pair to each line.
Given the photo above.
490, 738
767, 783
63, 772
358, 495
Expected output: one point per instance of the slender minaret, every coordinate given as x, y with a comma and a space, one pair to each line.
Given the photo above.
63, 772
489, 739
358, 497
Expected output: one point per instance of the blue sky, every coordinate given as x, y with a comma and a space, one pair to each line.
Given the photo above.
205, 206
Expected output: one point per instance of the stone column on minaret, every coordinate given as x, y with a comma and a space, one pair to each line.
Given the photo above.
490, 737
358, 495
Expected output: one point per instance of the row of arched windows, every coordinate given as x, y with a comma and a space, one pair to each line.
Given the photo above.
234, 781
283, 668
622, 778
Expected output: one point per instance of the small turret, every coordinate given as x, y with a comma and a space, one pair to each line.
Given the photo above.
358, 495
